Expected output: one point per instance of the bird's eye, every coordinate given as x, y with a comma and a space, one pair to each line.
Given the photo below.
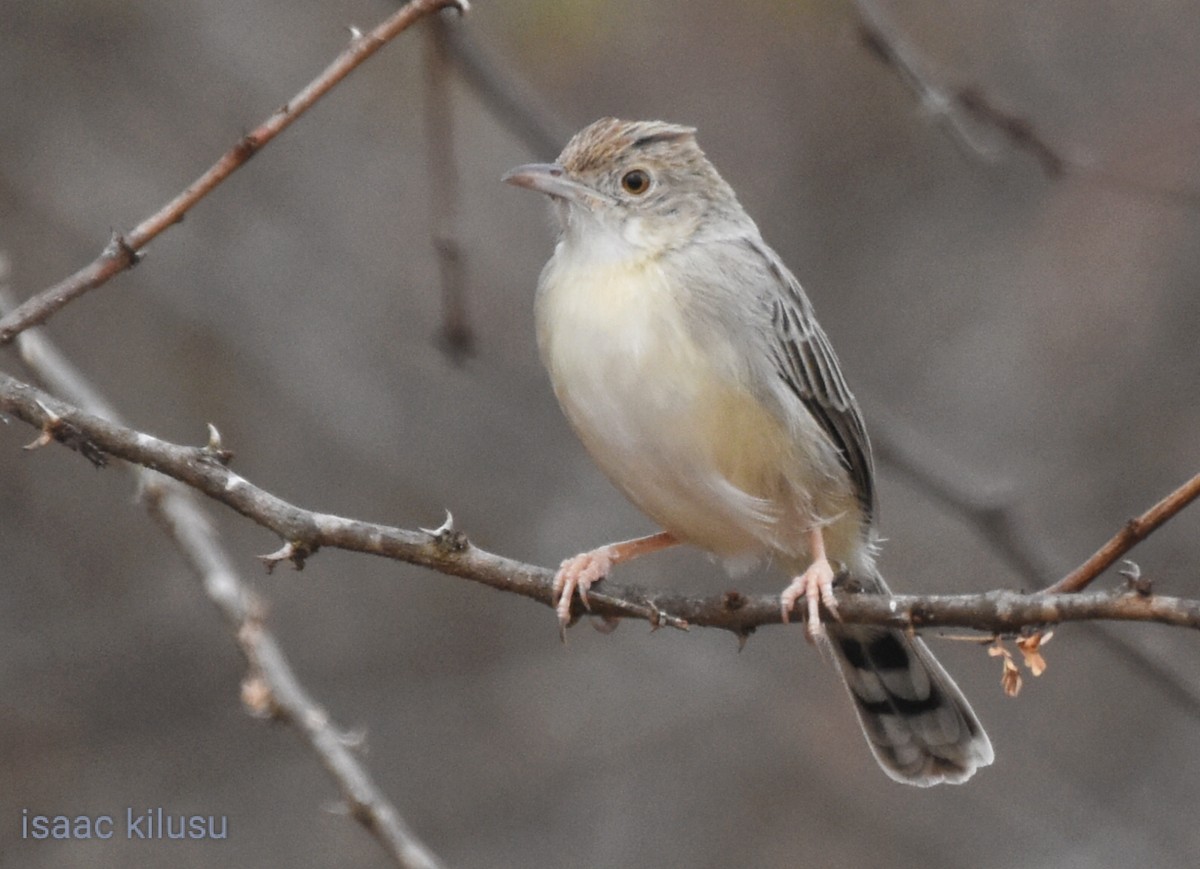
636, 181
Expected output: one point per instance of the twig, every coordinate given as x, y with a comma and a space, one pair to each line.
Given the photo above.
448, 551
122, 251
272, 685
991, 512
456, 336
279, 692
1135, 531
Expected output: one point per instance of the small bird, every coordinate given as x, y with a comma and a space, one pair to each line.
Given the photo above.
689, 362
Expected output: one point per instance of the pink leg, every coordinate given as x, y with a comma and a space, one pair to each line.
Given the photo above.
815, 585
587, 568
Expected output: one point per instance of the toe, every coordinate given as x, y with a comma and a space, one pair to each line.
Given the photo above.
578, 574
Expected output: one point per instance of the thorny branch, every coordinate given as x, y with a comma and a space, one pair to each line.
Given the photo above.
271, 688
448, 551
123, 251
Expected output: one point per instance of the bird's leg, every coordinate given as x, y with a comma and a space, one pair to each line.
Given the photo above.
587, 568
815, 585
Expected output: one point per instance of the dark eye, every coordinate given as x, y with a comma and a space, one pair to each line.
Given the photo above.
636, 181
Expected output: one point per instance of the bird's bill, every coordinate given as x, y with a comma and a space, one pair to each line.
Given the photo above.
551, 179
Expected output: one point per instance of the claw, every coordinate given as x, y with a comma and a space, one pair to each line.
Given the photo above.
578, 574
815, 585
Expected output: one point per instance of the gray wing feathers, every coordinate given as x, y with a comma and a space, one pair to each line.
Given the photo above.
787, 345
805, 360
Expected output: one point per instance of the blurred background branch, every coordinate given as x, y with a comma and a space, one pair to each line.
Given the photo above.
271, 688
978, 124
456, 336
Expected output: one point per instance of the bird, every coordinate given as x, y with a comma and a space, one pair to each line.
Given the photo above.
687, 358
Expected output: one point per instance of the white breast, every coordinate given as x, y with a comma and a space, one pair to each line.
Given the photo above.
653, 410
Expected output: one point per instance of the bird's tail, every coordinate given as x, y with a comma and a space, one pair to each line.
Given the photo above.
919, 725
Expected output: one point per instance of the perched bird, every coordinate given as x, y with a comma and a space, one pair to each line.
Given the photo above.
687, 359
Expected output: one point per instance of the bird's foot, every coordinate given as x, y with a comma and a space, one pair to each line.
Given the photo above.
815, 585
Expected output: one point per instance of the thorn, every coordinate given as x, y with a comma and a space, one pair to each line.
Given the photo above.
214, 451
53, 420
43, 439
355, 33
293, 552
446, 537
447, 525
1134, 581
55, 428
463, 6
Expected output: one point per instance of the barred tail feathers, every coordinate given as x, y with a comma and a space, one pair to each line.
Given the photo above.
919, 725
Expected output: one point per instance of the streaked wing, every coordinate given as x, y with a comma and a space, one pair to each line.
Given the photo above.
805, 360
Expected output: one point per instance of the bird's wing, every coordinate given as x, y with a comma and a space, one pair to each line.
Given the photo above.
804, 359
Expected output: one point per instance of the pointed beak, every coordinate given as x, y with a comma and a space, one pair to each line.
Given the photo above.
552, 179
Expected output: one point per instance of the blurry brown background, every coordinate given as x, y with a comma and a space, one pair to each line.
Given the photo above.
1037, 334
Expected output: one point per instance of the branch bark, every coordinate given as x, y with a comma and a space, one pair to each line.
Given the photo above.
1135, 531
448, 551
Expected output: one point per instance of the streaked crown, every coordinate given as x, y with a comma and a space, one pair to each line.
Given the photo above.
651, 167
